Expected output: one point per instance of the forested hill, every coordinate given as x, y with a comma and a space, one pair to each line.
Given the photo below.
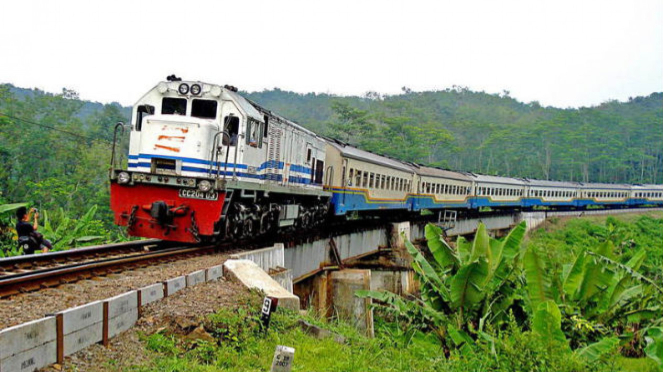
489, 133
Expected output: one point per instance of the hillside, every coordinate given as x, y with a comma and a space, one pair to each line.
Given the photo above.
488, 133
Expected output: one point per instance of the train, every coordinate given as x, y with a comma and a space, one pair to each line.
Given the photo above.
206, 163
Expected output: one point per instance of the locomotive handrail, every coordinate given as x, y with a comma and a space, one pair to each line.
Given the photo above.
112, 162
214, 156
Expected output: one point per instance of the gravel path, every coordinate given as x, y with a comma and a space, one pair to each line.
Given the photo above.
30, 306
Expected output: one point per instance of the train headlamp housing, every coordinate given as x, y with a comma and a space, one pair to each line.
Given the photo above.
204, 186
196, 89
123, 178
183, 88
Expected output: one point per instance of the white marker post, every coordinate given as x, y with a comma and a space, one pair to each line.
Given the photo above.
283, 357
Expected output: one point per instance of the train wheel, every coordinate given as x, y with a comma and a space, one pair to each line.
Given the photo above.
247, 230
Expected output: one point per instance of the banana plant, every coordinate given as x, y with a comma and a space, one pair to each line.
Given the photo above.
69, 232
473, 282
598, 288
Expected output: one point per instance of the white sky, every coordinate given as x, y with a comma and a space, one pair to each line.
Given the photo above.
560, 53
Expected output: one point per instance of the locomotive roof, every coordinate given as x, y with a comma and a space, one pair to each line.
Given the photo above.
358, 154
442, 173
263, 111
246, 105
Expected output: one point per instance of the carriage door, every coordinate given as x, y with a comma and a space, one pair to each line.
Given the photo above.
273, 167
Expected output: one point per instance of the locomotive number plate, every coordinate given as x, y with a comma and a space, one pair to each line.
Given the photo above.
197, 194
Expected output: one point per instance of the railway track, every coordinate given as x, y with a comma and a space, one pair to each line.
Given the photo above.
34, 272
29, 273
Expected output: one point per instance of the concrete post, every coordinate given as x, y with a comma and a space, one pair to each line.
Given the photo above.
346, 305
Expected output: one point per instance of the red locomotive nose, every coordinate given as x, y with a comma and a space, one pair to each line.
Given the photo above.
155, 211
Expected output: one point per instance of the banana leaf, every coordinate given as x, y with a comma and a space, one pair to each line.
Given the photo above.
592, 353
481, 245
654, 349
575, 276
444, 255
5, 208
547, 322
467, 285
426, 272
464, 249
513, 241
538, 281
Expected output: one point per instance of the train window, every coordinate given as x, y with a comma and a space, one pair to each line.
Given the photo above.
371, 179
254, 137
383, 181
351, 176
173, 106
308, 154
266, 118
231, 125
141, 112
358, 180
365, 180
203, 108
319, 168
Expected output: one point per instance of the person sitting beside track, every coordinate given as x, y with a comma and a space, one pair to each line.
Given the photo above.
28, 237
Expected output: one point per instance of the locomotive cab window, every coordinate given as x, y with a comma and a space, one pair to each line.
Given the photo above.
141, 112
203, 108
231, 125
173, 106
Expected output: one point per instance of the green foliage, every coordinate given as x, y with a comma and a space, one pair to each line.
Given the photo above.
461, 288
8, 246
54, 149
601, 292
70, 233
654, 349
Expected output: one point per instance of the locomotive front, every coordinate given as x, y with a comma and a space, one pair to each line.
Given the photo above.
173, 187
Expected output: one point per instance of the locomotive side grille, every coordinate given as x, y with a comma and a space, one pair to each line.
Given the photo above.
274, 153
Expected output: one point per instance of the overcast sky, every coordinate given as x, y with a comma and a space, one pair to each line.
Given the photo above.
560, 53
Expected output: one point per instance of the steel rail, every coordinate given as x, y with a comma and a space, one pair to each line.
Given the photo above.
10, 265
35, 280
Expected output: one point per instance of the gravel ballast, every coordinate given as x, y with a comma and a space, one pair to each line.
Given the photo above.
25, 307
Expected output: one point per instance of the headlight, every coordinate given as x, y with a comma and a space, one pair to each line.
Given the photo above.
204, 186
183, 88
123, 177
196, 89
